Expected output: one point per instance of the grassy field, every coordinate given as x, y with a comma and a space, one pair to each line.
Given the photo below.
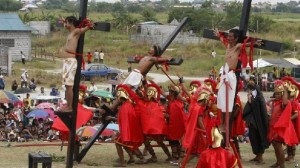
105, 155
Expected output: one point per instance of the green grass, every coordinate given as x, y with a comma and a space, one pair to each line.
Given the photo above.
105, 155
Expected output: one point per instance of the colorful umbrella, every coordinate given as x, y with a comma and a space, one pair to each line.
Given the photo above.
39, 113
51, 113
107, 132
114, 127
45, 105
86, 131
103, 93
7, 97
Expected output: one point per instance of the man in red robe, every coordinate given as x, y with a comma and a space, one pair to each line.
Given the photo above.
194, 138
176, 121
293, 88
153, 122
131, 135
281, 130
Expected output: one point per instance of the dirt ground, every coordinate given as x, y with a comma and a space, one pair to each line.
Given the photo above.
105, 155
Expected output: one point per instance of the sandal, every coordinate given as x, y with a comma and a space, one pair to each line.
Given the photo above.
276, 165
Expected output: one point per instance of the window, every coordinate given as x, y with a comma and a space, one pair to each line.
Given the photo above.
7, 42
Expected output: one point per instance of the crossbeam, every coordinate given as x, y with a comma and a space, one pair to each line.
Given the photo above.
100, 26
165, 45
267, 44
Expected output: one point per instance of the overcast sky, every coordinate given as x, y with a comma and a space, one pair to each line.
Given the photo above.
253, 1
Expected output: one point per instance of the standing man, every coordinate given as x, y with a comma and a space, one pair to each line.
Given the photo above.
101, 57
24, 77
256, 117
281, 129
92, 88
96, 56
23, 57
89, 57
69, 54
2, 83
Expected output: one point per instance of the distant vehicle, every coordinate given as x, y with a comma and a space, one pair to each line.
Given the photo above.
98, 70
295, 72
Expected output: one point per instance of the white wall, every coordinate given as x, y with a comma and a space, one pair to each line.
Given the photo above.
43, 27
22, 43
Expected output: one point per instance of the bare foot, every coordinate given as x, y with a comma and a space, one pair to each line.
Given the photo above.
65, 109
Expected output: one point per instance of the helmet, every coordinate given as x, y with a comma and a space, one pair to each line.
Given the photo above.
194, 85
174, 88
211, 84
153, 91
204, 95
124, 91
278, 86
292, 86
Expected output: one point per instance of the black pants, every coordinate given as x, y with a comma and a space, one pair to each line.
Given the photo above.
23, 61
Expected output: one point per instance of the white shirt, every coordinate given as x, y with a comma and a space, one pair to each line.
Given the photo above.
96, 55
101, 55
264, 77
24, 76
23, 56
92, 88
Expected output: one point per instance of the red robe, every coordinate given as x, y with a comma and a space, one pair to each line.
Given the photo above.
83, 116
238, 125
177, 117
192, 138
131, 134
153, 121
281, 128
216, 158
296, 122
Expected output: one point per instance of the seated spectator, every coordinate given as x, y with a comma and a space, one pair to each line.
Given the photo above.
54, 92
42, 92
32, 84
14, 85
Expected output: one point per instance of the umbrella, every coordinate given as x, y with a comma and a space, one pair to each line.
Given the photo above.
114, 127
7, 97
103, 93
45, 105
86, 131
107, 132
22, 90
51, 113
38, 114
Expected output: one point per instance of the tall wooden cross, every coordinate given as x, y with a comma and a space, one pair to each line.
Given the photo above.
70, 119
243, 27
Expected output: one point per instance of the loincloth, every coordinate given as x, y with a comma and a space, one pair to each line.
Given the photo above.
69, 71
134, 79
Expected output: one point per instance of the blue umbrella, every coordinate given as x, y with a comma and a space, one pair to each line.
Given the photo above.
7, 97
37, 114
114, 127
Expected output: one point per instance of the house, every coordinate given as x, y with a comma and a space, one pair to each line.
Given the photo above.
15, 37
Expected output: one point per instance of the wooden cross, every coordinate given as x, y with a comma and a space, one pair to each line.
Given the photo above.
267, 44
71, 119
175, 61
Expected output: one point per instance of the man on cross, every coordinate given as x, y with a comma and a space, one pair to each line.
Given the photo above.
145, 64
231, 70
69, 54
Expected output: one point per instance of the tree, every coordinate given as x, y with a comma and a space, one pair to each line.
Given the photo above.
123, 21
9, 5
263, 24
148, 15
233, 14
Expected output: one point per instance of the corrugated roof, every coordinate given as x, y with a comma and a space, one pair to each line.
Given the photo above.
294, 61
12, 22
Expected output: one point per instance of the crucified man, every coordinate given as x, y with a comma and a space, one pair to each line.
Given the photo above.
231, 69
69, 54
145, 64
